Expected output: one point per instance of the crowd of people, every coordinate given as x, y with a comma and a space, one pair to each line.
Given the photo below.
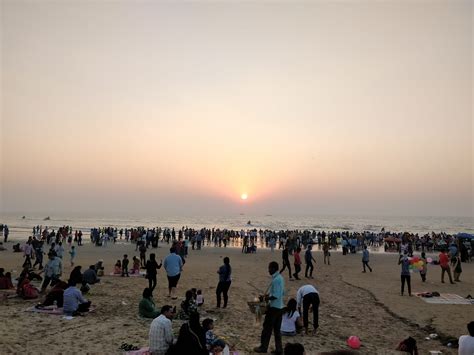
196, 337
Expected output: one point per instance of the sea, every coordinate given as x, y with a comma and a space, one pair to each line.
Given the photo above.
21, 226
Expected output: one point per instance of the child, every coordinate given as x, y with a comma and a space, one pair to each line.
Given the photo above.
135, 266
199, 298
425, 267
72, 253
213, 344
118, 267
125, 265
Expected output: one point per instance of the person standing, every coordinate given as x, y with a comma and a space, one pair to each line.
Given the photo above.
424, 270
72, 254
151, 271
225, 280
286, 261
405, 272
173, 265
273, 316
457, 268
161, 332
308, 257
307, 296
125, 262
444, 263
296, 255
6, 231
52, 271
365, 259
327, 253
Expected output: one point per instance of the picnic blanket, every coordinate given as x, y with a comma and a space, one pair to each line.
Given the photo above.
446, 298
46, 310
141, 274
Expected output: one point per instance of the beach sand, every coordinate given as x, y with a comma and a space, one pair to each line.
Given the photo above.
352, 303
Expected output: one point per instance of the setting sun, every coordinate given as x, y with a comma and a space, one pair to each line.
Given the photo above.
243, 196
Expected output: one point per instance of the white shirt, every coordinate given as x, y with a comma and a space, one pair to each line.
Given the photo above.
288, 323
161, 335
303, 291
466, 345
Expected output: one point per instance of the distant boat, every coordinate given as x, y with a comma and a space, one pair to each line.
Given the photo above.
242, 214
46, 219
249, 222
23, 217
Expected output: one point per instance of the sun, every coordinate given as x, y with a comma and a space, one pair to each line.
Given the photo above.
243, 196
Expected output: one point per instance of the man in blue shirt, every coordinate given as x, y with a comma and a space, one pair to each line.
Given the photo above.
272, 322
173, 265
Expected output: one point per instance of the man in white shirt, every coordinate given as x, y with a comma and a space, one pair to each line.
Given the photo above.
307, 295
161, 332
466, 342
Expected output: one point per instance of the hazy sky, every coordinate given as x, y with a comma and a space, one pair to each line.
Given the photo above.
363, 107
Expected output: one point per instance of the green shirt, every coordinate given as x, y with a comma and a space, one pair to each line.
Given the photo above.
146, 308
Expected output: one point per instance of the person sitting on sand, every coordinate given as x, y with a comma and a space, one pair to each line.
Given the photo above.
5, 280
90, 276
191, 338
99, 268
188, 306
161, 332
213, 343
291, 319
294, 349
146, 307
73, 301
135, 266
118, 268
56, 294
27, 290
76, 274
466, 342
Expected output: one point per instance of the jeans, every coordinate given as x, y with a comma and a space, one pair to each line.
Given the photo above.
222, 287
272, 323
366, 263
311, 299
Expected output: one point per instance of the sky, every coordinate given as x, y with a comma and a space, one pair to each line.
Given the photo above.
349, 108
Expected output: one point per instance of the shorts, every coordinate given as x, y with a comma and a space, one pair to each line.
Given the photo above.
173, 280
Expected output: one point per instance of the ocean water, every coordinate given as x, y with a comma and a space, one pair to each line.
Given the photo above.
21, 228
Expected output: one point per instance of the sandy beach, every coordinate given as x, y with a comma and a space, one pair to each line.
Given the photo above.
352, 303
